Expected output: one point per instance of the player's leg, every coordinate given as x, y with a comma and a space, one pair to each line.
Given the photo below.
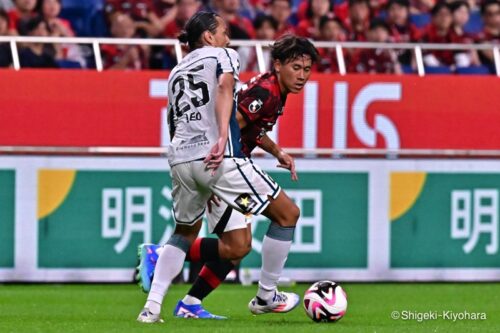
249, 189
234, 232
189, 206
283, 214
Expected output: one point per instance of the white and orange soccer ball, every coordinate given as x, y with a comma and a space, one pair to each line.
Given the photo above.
325, 301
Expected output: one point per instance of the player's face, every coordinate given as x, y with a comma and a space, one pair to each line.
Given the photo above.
293, 75
220, 37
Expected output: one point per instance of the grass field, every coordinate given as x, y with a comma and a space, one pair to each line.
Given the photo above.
113, 308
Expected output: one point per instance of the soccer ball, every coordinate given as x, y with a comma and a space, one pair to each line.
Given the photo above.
325, 301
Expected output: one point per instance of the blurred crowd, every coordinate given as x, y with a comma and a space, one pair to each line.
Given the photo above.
396, 21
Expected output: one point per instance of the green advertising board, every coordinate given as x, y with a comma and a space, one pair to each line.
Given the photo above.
96, 219
444, 220
7, 218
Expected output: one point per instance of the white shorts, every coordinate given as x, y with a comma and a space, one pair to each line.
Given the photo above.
224, 218
238, 182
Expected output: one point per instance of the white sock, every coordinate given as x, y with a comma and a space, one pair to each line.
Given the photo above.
190, 300
169, 264
274, 255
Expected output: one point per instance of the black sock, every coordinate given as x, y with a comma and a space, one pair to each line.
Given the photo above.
203, 250
210, 277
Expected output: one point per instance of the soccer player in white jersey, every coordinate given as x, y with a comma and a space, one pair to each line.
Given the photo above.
205, 158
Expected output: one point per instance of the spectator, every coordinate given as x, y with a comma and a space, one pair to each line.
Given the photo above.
59, 27
166, 11
265, 29
439, 31
281, 10
5, 53
23, 9
401, 30
124, 56
50, 10
37, 55
143, 14
378, 60
331, 30
358, 21
461, 13
239, 27
309, 27
185, 9
490, 11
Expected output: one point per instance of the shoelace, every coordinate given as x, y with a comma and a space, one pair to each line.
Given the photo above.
279, 297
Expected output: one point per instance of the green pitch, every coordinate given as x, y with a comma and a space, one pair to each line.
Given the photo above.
113, 308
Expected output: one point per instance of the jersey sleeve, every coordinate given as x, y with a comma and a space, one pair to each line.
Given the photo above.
228, 61
252, 102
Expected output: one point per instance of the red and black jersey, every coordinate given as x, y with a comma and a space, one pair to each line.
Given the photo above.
260, 103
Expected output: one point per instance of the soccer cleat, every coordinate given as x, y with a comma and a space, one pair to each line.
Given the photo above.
147, 317
147, 261
193, 311
282, 302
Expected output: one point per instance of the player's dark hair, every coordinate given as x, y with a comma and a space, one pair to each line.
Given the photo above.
290, 47
485, 4
196, 26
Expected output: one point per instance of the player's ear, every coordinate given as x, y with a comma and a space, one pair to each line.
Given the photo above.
277, 65
208, 37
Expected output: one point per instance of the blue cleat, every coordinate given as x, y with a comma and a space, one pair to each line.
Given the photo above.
194, 311
147, 260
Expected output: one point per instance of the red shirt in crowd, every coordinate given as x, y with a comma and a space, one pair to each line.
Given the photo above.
376, 61
260, 103
285, 30
306, 29
446, 57
328, 62
244, 24
112, 54
14, 18
404, 34
162, 8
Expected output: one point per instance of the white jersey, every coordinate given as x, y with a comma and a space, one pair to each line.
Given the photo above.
192, 121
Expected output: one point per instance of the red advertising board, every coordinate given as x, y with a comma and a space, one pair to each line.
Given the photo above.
118, 108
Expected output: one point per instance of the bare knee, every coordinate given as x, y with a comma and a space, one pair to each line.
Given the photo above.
290, 216
238, 251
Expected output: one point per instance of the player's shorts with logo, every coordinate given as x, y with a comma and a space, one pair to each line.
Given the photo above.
238, 182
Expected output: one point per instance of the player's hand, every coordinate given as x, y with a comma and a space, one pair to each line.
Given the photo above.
216, 155
213, 200
287, 162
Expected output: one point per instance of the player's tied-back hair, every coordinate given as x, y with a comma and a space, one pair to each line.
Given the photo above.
290, 47
196, 26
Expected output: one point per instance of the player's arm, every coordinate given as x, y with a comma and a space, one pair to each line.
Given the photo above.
242, 122
223, 108
285, 160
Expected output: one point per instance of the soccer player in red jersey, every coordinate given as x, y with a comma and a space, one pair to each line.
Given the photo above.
260, 102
